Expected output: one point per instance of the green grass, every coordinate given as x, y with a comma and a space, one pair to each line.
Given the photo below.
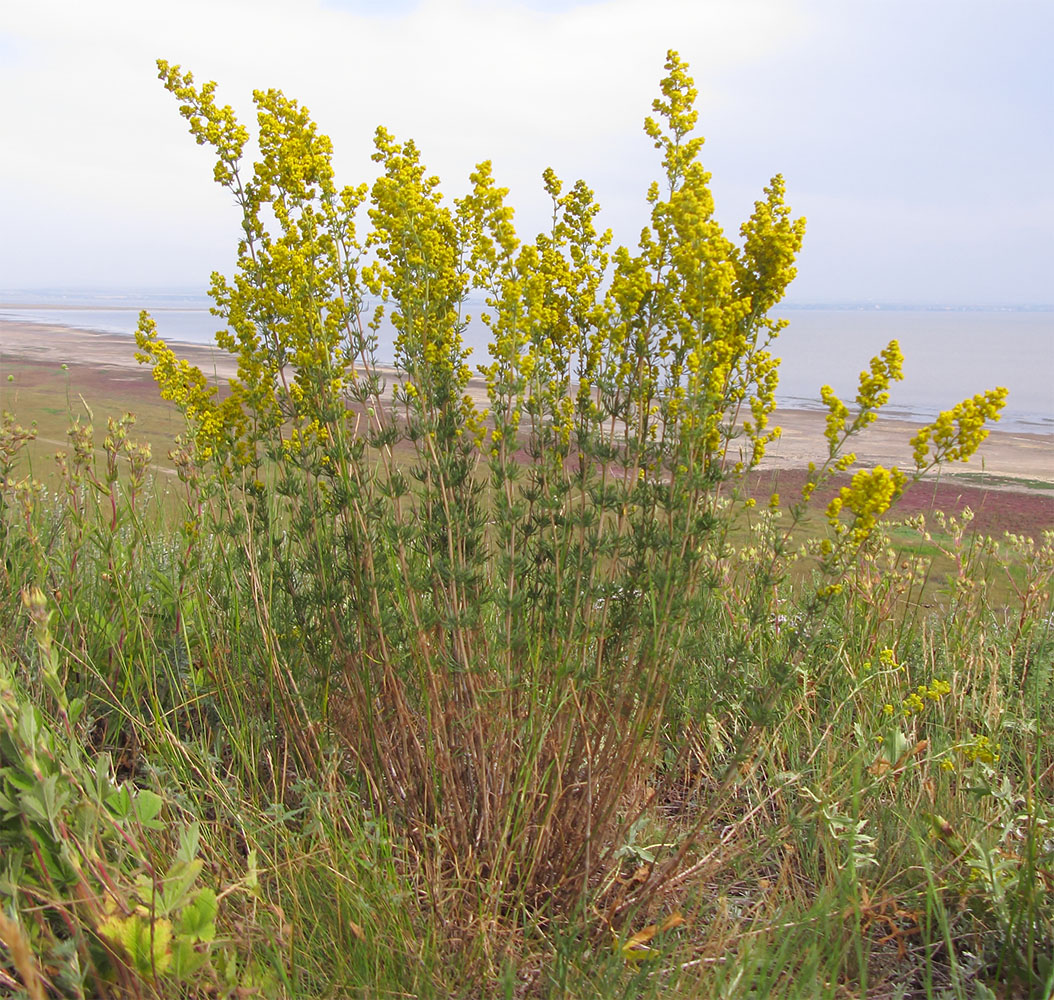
816, 841
375, 701
1014, 482
49, 396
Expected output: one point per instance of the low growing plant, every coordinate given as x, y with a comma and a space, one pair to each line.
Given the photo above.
84, 880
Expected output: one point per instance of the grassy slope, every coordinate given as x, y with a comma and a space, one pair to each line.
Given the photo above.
859, 838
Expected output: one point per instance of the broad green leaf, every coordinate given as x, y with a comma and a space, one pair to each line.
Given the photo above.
198, 917
186, 959
119, 802
147, 805
189, 840
178, 882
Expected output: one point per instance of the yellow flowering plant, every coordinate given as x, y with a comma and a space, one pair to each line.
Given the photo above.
292, 314
616, 385
456, 561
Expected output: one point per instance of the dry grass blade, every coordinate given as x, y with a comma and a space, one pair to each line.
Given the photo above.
21, 956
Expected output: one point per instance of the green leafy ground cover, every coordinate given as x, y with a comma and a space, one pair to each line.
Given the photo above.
1014, 482
397, 697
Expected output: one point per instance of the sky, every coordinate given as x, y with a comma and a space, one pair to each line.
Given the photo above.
916, 137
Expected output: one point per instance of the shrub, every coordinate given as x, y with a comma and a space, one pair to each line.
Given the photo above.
486, 595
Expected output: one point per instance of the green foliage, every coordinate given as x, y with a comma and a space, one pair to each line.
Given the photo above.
81, 859
424, 563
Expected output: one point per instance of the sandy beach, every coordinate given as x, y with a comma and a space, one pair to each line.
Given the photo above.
1006, 459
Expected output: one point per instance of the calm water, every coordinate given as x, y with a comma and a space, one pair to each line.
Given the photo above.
949, 354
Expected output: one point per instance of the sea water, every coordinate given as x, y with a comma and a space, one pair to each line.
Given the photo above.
950, 353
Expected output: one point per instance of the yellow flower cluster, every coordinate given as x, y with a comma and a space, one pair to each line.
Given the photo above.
915, 703
957, 433
872, 394
291, 311
868, 496
418, 243
837, 418
303, 438
214, 425
210, 125
840, 425
982, 749
663, 349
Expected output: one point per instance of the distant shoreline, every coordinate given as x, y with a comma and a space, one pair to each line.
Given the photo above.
1005, 457
44, 298
950, 352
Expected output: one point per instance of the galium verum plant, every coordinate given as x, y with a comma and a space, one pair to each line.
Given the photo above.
485, 599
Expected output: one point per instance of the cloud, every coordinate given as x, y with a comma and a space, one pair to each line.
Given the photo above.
896, 101
103, 158
526, 84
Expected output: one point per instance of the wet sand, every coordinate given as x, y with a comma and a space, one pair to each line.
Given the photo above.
1007, 460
